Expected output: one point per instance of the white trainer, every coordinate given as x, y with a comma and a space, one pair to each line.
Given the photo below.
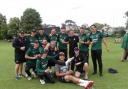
89, 84
26, 75
42, 81
29, 78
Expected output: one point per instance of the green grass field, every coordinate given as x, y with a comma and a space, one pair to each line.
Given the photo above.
108, 81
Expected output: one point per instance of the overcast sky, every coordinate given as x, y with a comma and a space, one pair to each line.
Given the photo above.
81, 11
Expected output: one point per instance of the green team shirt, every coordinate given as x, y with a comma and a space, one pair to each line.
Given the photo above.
32, 52
84, 38
41, 64
97, 39
62, 37
41, 37
30, 41
125, 41
53, 37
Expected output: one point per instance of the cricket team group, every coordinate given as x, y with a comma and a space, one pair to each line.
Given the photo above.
62, 56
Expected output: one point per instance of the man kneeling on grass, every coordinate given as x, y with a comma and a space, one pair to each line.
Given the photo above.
65, 75
32, 55
42, 67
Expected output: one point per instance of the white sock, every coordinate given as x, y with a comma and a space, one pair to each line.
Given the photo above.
83, 82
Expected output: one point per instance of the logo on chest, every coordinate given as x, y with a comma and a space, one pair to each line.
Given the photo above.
44, 64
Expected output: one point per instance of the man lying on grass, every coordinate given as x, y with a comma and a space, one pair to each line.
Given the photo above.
65, 75
42, 69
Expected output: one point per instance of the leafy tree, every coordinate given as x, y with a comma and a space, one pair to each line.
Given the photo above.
119, 31
14, 26
3, 27
71, 25
31, 19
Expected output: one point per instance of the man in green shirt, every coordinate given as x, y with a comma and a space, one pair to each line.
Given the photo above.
96, 39
125, 46
31, 55
53, 35
84, 44
63, 41
41, 35
42, 70
31, 39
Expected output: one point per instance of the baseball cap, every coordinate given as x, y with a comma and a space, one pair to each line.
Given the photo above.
76, 49
33, 30
61, 54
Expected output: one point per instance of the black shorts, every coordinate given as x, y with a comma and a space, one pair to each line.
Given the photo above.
61, 79
19, 58
51, 63
19, 61
84, 55
79, 68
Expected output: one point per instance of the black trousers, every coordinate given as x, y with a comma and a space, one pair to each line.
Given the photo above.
71, 52
97, 57
48, 77
65, 52
28, 67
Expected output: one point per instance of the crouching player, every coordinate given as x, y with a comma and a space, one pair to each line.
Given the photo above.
31, 55
80, 64
65, 75
42, 67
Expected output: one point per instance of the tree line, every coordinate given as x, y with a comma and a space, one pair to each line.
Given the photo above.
31, 19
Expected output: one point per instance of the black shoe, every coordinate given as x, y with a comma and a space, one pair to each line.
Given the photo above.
94, 73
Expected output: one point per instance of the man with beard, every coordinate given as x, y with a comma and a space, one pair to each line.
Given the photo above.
63, 41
